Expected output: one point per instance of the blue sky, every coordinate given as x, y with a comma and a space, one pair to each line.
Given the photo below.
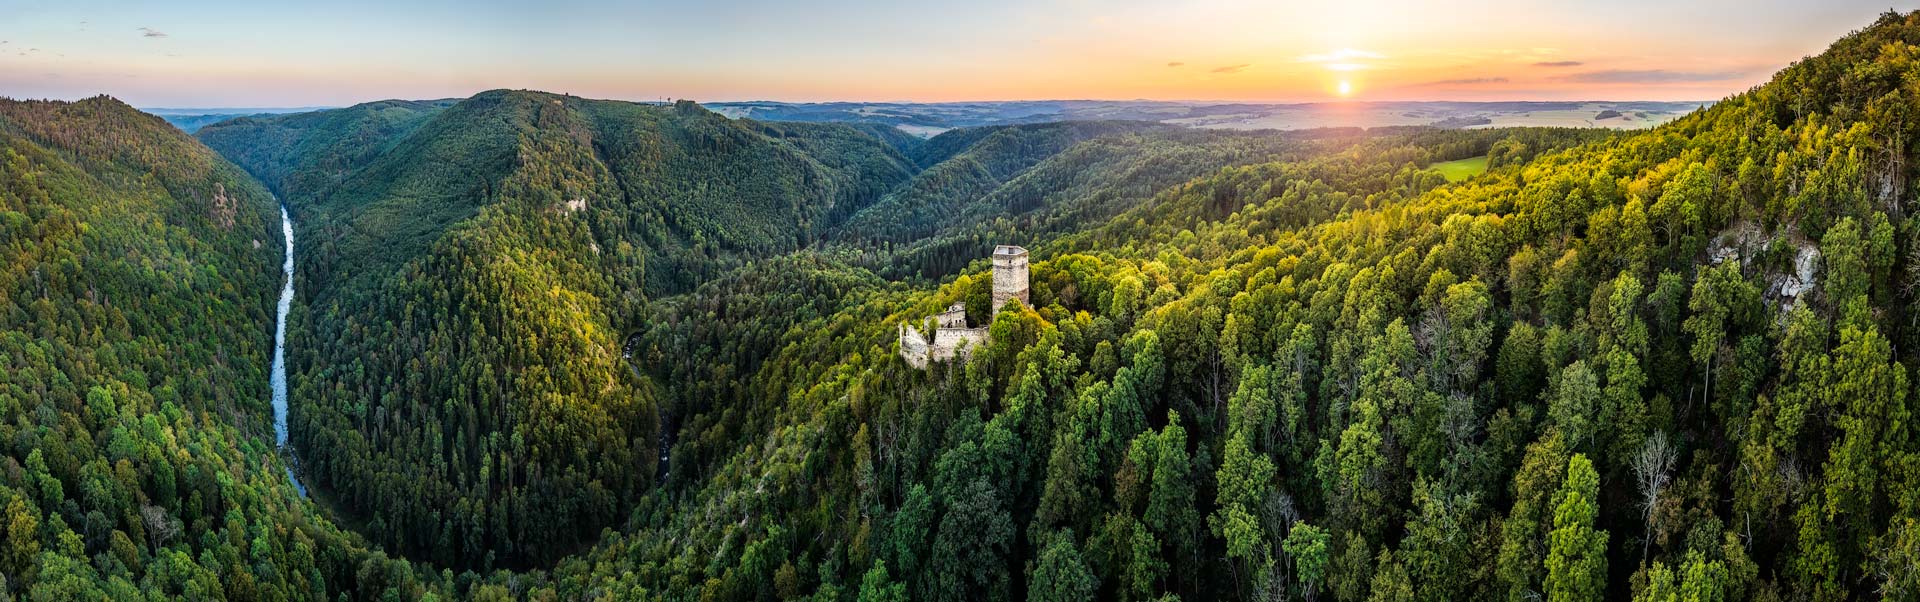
305, 54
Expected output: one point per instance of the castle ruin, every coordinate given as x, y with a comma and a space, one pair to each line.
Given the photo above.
1009, 276
951, 337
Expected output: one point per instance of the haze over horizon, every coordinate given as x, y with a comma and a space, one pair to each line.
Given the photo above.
236, 54
1389, 300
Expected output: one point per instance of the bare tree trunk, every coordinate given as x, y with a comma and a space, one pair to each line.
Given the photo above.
1654, 467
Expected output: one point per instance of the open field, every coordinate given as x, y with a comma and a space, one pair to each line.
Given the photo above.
1462, 169
1627, 115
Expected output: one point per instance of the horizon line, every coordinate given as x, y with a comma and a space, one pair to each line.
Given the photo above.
667, 99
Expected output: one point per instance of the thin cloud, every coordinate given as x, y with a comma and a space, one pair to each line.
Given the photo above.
1558, 64
152, 33
1469, 81
1344, 59
1232, 68
1342, 55
1176, 64
1648, 76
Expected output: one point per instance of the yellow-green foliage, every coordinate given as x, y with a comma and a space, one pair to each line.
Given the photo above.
1255, 365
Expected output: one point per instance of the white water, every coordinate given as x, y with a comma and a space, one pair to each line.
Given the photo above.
279, 378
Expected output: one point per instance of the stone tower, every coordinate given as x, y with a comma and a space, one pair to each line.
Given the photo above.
951, 338
1009, 275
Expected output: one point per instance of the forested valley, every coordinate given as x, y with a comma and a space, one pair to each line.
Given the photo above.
136, 295
548, 347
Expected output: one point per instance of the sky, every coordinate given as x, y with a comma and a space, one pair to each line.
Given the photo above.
271, 53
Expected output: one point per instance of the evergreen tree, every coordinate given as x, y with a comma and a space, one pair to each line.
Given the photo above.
1576, 552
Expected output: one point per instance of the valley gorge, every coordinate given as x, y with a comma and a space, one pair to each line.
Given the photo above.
1046, 359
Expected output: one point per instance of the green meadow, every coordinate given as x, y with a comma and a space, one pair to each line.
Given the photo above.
1460, 170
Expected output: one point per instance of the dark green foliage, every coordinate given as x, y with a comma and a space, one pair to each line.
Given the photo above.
137, 280
473, 277
1053, 191
1381, 386
1061, 576
963, 167
1663, 364
304, 154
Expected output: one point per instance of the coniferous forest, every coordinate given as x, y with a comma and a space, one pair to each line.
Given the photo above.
554, 348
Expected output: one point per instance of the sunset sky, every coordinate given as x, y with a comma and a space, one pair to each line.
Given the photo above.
275, 54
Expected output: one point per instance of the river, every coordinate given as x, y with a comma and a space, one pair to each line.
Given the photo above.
279, 378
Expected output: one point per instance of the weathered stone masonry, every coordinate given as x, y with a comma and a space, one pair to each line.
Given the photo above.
951, 337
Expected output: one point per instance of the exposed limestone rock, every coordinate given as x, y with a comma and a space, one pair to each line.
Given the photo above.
1745, 242
1789, 287
222, 210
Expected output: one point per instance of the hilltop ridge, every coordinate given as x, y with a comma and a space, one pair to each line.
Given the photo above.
549, 347
136, 315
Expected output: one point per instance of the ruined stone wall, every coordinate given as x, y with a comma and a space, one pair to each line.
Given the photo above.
913, 346
949, 343
946, 344
954, 317
951, 338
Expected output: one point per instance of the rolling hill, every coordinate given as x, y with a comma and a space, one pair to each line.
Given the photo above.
557, 348
137, 286
1614, 367
476, 263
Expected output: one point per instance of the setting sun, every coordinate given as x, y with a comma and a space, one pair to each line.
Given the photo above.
643, 299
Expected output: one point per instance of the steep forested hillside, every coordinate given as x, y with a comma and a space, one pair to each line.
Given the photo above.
835, 398
1091, 182
1664, 365
962, 168
308, 154
460, 377
137, 274
554, 348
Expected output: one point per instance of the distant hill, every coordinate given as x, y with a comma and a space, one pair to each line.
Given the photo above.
190, 120
1642, 365
924, 120
305, 153
928, 119
193, 123
552, 348
962, 167
445, 236
454, 233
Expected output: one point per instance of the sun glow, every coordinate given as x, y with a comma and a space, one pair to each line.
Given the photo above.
1346, 88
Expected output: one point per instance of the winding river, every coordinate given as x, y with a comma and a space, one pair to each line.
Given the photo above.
279, 378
